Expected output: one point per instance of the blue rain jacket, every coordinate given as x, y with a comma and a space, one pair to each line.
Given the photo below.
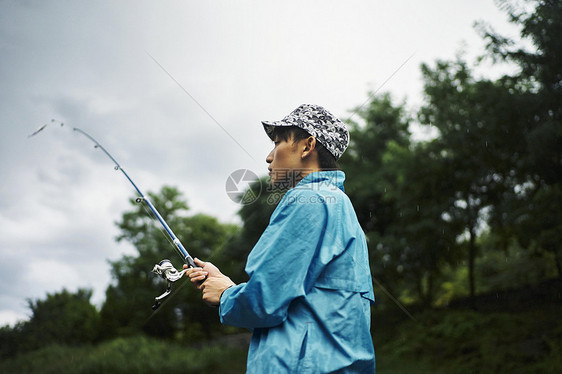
309, 294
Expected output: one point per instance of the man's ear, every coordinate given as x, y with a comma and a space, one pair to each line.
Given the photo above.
309, 145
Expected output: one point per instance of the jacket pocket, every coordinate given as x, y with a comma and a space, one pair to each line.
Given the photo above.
304, 363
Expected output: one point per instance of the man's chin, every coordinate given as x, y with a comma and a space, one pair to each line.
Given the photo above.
275, 183
280, 184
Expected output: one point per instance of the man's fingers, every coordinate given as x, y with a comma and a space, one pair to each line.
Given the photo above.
207, 296
198, 262
198, 279
193, 277
196, 276
194, 271
199, 276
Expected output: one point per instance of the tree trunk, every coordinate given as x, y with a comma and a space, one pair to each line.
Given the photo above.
558, 259
420, 289
430, 289
471, 257
425, 289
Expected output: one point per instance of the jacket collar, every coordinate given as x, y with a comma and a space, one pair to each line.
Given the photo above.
333, 178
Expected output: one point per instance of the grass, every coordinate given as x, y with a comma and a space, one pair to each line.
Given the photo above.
128, 355
467, 342
520, 334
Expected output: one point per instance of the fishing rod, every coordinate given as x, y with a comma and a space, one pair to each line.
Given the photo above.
164, 268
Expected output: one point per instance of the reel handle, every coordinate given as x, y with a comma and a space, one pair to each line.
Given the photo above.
166, 270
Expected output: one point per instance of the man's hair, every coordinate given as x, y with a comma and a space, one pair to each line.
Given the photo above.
326, 160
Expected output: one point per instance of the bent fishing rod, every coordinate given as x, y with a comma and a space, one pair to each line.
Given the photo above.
164, 268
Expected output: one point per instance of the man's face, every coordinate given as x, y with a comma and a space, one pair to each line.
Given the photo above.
285, 163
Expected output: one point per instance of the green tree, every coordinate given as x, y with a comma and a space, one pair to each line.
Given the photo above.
427, 238
478, 140
63, 318
382, 125
532, 211
126, 310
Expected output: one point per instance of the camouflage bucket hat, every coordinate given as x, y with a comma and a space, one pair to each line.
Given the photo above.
318, 122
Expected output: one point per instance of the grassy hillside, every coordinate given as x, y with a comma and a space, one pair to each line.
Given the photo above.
457, 341
516, 331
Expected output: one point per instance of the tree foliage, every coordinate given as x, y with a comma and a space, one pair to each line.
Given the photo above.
477, 142
126, 310
531, 211
61, 318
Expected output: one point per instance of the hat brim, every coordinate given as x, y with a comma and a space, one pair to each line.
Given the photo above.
268, 126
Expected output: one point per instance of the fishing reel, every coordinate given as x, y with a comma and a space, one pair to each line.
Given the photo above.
166, 270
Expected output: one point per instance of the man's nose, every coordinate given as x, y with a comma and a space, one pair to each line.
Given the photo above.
269, 157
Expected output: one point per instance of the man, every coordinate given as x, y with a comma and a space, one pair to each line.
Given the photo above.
309, 293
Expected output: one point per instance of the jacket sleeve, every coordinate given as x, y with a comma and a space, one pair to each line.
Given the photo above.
278, 266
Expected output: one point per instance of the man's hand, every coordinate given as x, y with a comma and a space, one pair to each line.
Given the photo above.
209, 280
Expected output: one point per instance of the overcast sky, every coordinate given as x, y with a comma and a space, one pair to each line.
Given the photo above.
88, 64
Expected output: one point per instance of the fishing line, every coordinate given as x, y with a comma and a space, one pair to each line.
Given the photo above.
200, 106
160, 229
372, 95
170, 297
394, 300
